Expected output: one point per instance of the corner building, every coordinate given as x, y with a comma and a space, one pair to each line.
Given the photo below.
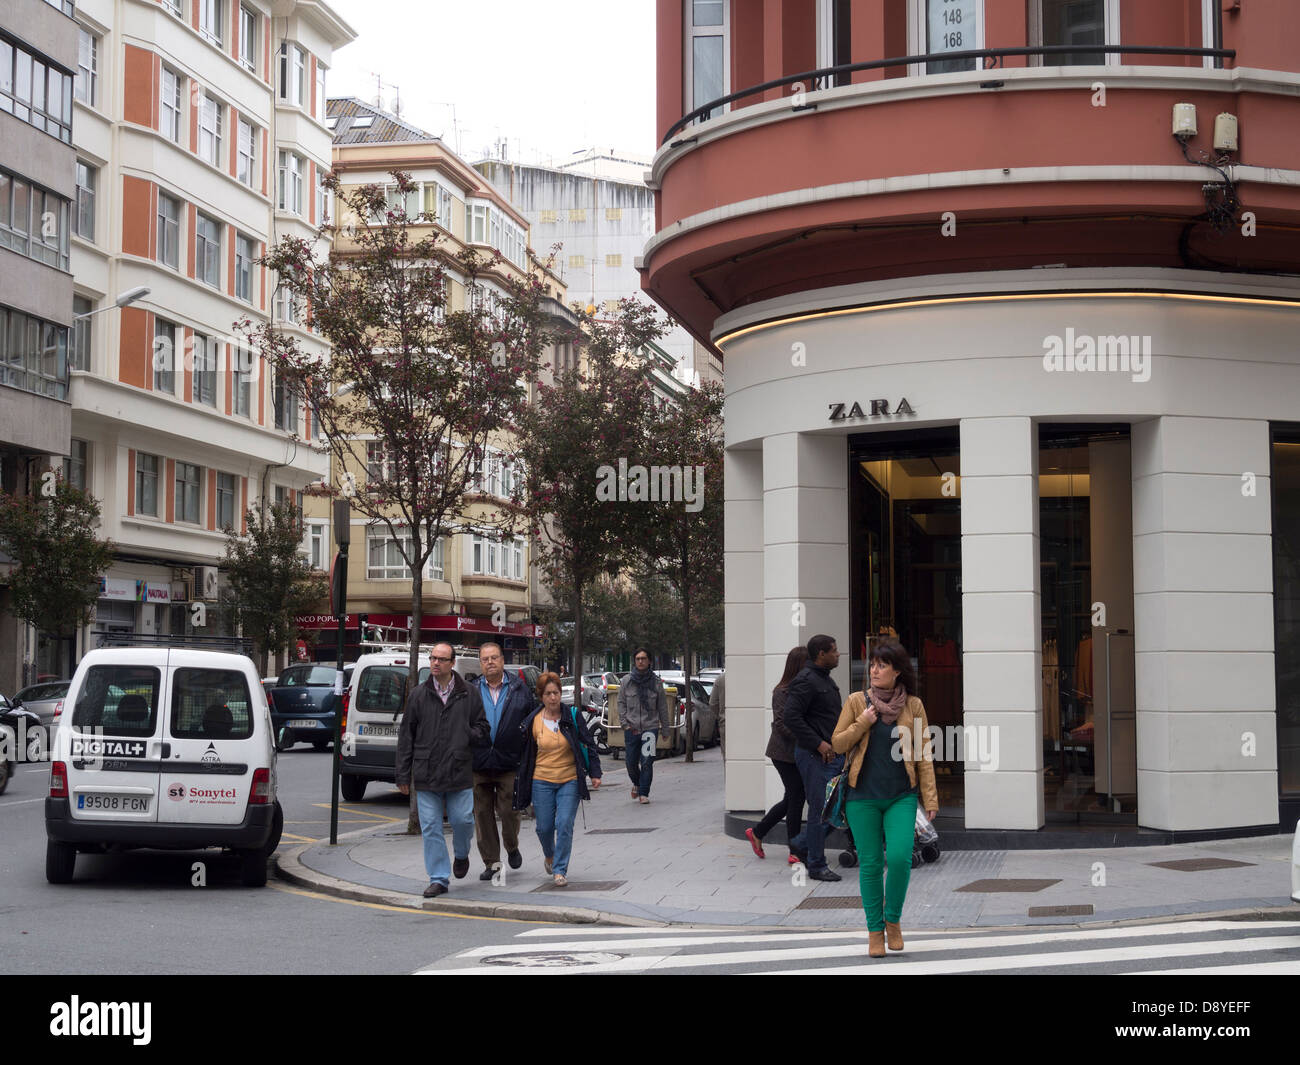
1012, 372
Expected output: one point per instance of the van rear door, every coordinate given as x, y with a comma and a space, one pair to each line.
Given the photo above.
114, 745
210, 725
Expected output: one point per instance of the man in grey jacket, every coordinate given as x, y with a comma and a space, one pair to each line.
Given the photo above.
443, 719
642, 711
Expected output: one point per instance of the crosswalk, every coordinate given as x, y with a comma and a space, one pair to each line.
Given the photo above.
1180, 947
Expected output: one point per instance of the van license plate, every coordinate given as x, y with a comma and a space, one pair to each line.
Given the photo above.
304, 723
376, 730
128, 803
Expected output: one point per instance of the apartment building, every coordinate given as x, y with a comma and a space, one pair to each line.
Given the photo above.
1007, 295
469, 574
38, 65
200, 138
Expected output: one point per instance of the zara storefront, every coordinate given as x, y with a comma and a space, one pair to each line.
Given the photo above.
1077, 503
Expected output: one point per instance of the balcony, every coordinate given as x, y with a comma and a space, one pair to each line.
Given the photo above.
844, 174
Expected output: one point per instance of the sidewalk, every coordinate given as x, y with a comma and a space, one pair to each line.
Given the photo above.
669, 862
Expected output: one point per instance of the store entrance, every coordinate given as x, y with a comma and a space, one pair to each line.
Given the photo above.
905, 570
1085, 516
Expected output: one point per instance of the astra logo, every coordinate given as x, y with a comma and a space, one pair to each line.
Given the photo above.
879, 409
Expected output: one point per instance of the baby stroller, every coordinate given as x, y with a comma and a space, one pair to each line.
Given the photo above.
925, 844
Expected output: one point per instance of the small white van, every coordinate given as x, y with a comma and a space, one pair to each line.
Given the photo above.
372, 712
163, 747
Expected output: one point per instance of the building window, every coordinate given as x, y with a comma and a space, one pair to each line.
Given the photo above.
146, 484
164, 357
35, 93
205, 371
86, 83
377, 468
210, 129
74, 466
80, 356
242, 386
707, 62
33, 354
577, 262
187, 492
210, 20
320, 92
291, 171
84, 219
285, 404
244, 255
225, 500
318, 544
169, 231
476, 223
293, 73
384, 560
207, 251
940, 26
169, 123
614, 260
1074, 23
322, 199
247, 38
33, 221
287, 307
247, 148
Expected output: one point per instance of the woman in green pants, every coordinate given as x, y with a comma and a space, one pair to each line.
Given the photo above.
884, 728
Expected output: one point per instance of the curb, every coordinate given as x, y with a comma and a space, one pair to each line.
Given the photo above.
289, 866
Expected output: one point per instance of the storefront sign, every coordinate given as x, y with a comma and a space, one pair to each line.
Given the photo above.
879, 409
153, 592
117, 589
428, 623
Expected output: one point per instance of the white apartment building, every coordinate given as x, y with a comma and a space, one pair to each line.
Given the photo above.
200, 134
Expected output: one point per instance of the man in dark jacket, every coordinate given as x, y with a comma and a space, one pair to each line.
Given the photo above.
507, 701
443, 719
812, 708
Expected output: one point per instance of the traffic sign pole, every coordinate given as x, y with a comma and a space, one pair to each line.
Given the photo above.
339, 604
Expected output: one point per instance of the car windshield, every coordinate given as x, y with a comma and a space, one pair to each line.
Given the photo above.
307, 676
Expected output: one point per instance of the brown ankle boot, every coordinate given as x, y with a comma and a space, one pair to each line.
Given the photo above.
875, 944
895, 935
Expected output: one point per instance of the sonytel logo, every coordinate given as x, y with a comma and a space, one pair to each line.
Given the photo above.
879, 409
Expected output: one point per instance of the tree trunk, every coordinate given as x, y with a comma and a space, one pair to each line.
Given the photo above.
412, 677
577, 645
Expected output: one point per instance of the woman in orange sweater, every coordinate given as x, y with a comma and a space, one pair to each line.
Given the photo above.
559, 753
884, 732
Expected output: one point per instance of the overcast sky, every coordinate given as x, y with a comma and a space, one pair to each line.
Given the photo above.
551, 78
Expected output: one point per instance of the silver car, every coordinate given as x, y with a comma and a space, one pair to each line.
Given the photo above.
42, 699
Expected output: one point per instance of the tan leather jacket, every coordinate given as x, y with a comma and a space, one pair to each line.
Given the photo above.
853, 736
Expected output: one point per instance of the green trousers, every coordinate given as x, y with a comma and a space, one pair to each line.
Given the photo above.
896, 818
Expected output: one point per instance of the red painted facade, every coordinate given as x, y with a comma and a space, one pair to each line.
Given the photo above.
1033, 166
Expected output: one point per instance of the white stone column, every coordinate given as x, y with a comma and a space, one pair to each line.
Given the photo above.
805, 582
1203, 598
1001, 624
743, 598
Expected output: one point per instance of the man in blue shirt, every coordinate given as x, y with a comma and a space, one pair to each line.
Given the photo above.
507, 701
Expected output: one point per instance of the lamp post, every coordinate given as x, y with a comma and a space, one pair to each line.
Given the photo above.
339, 604
124, 300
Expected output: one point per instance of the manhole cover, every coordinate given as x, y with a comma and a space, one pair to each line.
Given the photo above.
1200, 865
615, 831
542, 959
584, 885
830, 902
993, 887
1060, 911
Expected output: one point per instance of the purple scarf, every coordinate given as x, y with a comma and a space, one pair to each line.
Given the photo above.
888, 702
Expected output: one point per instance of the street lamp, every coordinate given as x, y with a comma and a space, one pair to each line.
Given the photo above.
124, 300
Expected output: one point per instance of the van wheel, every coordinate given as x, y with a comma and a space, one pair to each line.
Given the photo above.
252, 869
60, 861
6, 774
354, 788
277, 829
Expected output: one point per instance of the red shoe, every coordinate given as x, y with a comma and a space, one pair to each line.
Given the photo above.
755, 842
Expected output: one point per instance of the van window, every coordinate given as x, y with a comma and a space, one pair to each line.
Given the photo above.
382, 690
119, 700
211, 704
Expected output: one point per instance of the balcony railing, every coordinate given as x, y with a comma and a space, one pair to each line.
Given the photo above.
992, 58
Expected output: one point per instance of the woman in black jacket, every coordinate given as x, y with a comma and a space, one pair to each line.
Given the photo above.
558, 755
780, 748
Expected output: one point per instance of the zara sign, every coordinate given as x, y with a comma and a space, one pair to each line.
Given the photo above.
879, 409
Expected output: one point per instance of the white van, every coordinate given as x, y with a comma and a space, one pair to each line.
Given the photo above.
372, 712
163, 747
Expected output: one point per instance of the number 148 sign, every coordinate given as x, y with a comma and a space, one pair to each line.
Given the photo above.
953, 25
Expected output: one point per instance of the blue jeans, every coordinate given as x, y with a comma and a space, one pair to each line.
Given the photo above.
815, 774
640, 764
460, 813
555, 806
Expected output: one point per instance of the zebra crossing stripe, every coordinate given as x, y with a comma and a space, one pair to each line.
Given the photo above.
1268, 968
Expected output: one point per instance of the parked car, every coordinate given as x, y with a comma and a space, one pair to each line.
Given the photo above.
42, 699
20, 729
704, 722
601, 681
591, 695
372, 711
528, 674
303, 704
163, 747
